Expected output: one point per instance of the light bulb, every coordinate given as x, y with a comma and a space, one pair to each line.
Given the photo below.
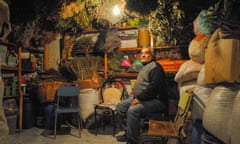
116, 10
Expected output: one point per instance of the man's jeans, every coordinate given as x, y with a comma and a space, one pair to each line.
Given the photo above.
129, 116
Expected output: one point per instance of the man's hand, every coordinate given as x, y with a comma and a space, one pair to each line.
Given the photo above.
135, 101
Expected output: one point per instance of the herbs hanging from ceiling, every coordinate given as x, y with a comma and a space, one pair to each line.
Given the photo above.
31, 20
73, 17
141, 7
101, 11
165, 19
166, 23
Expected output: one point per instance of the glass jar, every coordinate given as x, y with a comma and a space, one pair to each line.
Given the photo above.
143, 37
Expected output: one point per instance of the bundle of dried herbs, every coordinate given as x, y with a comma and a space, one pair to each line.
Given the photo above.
141, 7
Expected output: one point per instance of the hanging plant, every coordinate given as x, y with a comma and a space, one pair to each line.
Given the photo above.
166, 22
73, 17
141, 7
25, 32
100, 10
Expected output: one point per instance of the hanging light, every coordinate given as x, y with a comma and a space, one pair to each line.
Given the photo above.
116, 10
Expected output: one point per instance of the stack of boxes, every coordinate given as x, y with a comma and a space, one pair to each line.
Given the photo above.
128, 38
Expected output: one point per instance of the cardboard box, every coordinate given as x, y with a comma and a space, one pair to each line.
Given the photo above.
222, 61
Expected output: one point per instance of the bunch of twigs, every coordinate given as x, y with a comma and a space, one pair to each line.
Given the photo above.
84, 67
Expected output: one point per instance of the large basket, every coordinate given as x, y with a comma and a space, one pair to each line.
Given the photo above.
89, 83
47, 90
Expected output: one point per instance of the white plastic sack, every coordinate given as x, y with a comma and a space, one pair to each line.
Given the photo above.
235, 127
200, 98
196, 49
87, 99
188, 71
217, 114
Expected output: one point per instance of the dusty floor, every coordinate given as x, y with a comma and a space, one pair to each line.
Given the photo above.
65, 136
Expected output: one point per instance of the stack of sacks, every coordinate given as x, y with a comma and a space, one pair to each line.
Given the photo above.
188, 72
202, 30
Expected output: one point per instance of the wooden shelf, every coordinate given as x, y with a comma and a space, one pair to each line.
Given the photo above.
123, 75
127, 27
129, 49
134, 75
28, 70
155, 47
118, 28
10, 68
83, 51
34, 50
11, 96
166, 47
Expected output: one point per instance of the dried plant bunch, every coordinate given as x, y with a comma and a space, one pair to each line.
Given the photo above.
84, 67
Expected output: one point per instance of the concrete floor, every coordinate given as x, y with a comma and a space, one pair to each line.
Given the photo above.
42, 136
67, 135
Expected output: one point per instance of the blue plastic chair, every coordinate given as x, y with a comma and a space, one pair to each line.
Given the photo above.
67, 93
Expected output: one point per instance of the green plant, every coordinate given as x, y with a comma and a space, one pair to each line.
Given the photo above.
23, 33
166, 22
73, 17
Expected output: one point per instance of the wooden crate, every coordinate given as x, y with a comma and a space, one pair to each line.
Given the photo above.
222, 61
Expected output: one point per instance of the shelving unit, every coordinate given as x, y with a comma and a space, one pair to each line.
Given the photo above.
9, 71
38, 62
125, 50
38, 54
14, 72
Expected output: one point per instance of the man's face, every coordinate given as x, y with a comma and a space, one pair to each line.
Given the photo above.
145, 55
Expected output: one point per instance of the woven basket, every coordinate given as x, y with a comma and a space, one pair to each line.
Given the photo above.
89, 83
47, 90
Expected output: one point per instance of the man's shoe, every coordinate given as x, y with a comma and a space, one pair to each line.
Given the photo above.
122, 138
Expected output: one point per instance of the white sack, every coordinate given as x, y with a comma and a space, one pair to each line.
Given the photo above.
87, 99
235, 126
200, 98
188, 71
217, 114
196, 49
